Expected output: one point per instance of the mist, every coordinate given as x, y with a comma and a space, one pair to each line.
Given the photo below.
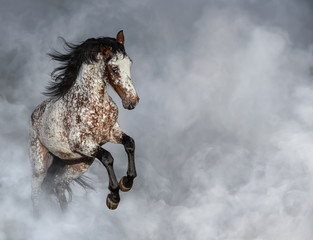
223, 130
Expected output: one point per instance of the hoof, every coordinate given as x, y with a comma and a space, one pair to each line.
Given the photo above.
125, 184
111, 204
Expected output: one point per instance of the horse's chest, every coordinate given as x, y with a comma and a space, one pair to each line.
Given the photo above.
98, 120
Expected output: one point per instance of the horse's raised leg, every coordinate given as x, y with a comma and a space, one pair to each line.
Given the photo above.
107, 160
69, 173
84, 144
118, 136
126, 182
40, 164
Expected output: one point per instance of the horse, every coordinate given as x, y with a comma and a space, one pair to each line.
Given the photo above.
68, 129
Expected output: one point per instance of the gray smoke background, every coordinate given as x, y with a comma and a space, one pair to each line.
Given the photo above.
224, 128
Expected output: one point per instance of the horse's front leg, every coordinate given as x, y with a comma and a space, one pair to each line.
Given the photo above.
107, 160
118, 136
84, 144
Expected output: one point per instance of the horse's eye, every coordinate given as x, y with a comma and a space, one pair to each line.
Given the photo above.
115, 70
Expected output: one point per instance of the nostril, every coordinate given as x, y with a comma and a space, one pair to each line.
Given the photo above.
138, 99
131, 106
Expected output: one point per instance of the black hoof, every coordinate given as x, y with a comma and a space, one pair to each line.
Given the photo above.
125, 184
112, 202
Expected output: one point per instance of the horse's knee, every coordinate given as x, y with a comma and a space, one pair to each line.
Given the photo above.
129, 143
104, 156
107, 158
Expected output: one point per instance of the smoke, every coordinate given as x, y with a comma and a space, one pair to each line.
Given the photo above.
223, 130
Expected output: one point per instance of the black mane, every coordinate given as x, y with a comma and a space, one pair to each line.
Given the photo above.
86, 52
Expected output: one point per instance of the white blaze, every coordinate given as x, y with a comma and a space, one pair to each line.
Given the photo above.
124, 64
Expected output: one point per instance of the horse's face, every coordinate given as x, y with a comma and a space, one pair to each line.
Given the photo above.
118, 74
119, 77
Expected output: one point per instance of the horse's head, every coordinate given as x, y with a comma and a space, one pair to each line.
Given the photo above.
118, 66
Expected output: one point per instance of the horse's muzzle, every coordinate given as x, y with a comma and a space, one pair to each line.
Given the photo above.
131, 105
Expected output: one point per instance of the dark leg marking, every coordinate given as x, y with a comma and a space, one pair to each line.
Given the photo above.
107, 160
126, 182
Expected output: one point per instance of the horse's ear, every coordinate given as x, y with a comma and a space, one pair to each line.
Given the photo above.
120, 37
105, 51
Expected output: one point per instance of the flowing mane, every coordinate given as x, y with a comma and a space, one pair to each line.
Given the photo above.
65, 75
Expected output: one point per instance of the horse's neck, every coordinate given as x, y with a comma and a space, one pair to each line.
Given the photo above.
90, 84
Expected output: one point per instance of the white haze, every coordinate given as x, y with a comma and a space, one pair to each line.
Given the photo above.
224, 128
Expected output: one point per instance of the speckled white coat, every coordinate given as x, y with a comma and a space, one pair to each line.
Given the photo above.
86, 117
74, 126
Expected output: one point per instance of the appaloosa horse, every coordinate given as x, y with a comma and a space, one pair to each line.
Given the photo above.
80, 116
